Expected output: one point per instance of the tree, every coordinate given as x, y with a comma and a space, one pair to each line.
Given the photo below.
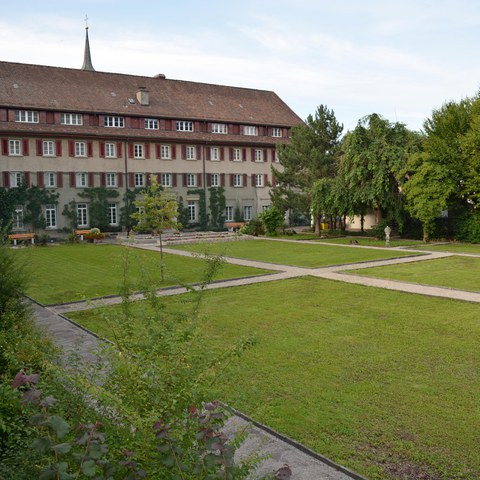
158, 211
312, 154
217, 207
9, 198
273, 219
99, 198
35, 199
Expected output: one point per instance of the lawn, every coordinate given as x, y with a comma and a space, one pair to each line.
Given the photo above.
383, 382
458, 272
292, 253
67, 273
471, 248
371, 242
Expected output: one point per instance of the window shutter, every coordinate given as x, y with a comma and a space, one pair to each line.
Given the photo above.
131, 180
102, 149
207, 154
265, 155
244, 154
147, 150
26, 176
25, 146
40, 179
236, 129
199, 152
50, 117
184, 152
265, 180
231, 179
174, 152
130, 150
71, 148
4, 146
196, 126
231, 154
273, 154
222, 179
261, 131
199, 180
148, 179
158, 152
222, 153
103, 179
59, 179
6, 179
184, 179
209, 127
91, 179
89, 149
252, 154
39, 144
245, 180
209, 179
120, 179
58, 148
72, 179
168, 124
119, 150
253, 180
161, 124
174, 179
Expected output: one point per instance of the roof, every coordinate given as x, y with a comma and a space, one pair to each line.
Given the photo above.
40, 87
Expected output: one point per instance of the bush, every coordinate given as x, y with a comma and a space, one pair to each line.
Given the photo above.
467, 228
253, 227
273, 220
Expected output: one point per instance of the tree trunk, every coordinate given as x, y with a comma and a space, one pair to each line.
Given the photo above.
426, 236
161, 258
317, 225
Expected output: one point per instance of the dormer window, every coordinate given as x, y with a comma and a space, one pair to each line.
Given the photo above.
250, 130
151, 124
219, 128
184, 126
113, 121
276, 132
71, 119
26, 116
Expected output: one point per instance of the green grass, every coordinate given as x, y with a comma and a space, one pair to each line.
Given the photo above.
471, 248
291, 253
69, 273
458, 272
379, 381
371, 242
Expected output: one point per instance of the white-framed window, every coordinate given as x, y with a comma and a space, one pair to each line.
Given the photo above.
184, 126
111, 150
276, 132
214, 153
48, 148
138, 150
81, 180
18, 218
191, 179
238, 180
80, 149
16, 179
259, 180
26, 116
237, 157
166, 179
229, 214
219, 128
258, 155
139, 179
191, 153
151, 124
265, 208
247, 212
82, 214
166, 152
14, 147
250, 130
112, 214
51, 215
111, 179
215, 179
276, 157
71, 119
113, 121
50, 179
192, 211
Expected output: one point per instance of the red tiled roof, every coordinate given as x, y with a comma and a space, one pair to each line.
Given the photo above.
39, 87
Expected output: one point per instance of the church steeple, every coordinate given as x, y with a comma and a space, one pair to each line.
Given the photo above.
87, 60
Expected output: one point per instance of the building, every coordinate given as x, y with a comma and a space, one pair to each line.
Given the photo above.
68, 130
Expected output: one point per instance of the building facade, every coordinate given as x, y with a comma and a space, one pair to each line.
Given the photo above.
69, 130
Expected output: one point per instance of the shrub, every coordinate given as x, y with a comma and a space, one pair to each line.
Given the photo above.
272, 219
253, 227
467, 228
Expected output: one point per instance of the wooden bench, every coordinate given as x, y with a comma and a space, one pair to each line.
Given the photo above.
22, 236
81, 233
234, 226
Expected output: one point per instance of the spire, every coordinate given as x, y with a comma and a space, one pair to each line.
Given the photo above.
87, 60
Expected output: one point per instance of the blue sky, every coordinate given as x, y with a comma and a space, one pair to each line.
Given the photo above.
398, 59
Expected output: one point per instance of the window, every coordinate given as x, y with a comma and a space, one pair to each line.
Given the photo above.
138, 150
236, 155
112, 214
48, 148
276, 132
258, 155
18, 218
247, 213
14, 147
192, 211
219, 128
214, 153
215, 180
110, 150
113, 121
26, 116
238, 180
81, 180
259, 180
151, 124
249, 130
183, 126
191, 153
80, 149
82, 217
139, 179
191, 179
50, 179
265, 208
51, 216
71, 119
166, 152
111, 180
229, 214
16, 179
166, 179
277, 159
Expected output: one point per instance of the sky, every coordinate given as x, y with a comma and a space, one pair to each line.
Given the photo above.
399, 59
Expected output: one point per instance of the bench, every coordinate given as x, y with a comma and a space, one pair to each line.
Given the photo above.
81, 233
234, 226
22, 236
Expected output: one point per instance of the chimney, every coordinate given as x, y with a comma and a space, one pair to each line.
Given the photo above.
143, 96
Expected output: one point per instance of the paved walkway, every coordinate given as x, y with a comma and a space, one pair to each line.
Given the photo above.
305, 464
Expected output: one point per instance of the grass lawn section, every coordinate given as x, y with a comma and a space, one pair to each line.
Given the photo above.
472, 248
458, 272
68, 273
379, 381
292, 253
365, 241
